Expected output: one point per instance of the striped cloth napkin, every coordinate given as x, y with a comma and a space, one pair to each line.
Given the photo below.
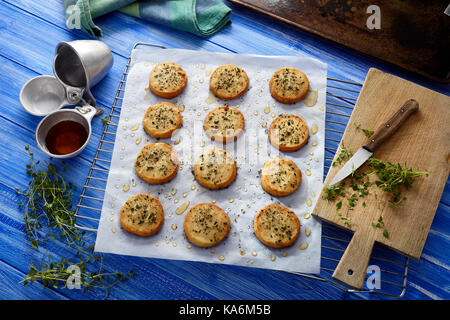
200, 17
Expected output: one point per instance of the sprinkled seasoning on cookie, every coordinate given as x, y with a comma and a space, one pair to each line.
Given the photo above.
167, 80
229, 82
289, 85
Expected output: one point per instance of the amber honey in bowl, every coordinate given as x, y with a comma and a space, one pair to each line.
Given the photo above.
66, 137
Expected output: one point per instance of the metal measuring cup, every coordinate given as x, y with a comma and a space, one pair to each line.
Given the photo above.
78, 66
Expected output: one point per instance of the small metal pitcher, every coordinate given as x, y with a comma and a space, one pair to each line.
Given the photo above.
78, 66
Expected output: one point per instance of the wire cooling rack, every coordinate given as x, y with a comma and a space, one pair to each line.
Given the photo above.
391, 267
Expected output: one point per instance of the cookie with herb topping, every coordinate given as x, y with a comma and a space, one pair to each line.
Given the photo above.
276, 226
280, 177
206, 225
288, 132
289, 85
156, 163
142, 215
228, 82
162, 119
224, 124
215, 169
167, 80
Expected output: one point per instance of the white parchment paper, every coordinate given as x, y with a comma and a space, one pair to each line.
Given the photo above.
244, 197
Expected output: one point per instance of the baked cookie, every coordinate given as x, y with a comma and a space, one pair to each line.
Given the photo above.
289, 85
156, 163
215, 169
162, 119
280, 177
276, 226
228, 82
167, 80
206, 225
288, 132
224, 124
142, 215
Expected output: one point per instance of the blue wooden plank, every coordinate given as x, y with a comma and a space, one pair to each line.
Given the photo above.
246, 34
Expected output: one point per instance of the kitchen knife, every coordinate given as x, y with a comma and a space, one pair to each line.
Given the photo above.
383, 132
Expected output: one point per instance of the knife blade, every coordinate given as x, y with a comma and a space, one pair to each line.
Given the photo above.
380, 135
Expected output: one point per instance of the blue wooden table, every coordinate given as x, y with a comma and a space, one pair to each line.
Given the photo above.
29, 33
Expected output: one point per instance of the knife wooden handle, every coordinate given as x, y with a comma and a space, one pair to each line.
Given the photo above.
387, 129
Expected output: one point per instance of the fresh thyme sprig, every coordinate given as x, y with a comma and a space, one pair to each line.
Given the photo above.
344, 154
48, 203
392, 177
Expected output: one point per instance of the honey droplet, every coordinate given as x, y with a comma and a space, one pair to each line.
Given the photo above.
182, 208
314, 143
202, 144
303, 246
242, 252
255, 112
213, 200
284, 254
312, 193
307, 215
111, 219
126, 187
135, 128
176, 142
221, 258
173, 192
181, 107
308, 172
189, 246
133, 183
264, 125
273, 115
308, 202
201, 80
307, 232
184, 194
123, 148
192, 187
212, 251
311, 98
174, 226
207, 73
272, 257
267, 109
314, 129
113, 230
176, 201
231, 200
202, 66
174, 244
254, 253
138, 140
311, 153
205, 108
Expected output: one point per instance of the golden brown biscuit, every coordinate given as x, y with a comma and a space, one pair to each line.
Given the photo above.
280, 177
167, 80
228, 82
289, 85
276, 226
142, 215
215, 169
206, 225
156, 163
288, 132
162, 119
224, 124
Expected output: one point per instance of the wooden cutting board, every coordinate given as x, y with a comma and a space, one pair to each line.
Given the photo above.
413, 34
422, 141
